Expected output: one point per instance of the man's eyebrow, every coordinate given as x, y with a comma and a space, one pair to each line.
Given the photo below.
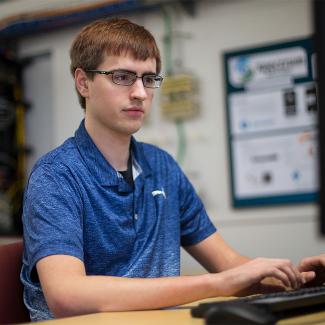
149, 72
131, 71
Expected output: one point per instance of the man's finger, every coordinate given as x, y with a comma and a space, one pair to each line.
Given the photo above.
309, 263
308, 276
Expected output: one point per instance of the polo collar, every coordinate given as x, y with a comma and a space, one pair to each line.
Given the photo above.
99, 166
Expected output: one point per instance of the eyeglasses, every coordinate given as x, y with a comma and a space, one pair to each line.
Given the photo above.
128, 78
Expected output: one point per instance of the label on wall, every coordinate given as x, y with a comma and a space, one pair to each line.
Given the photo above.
272, 123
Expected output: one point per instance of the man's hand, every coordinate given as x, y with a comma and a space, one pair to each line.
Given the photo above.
247, 278
314, 267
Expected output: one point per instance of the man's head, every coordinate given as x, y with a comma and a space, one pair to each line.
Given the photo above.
112, 37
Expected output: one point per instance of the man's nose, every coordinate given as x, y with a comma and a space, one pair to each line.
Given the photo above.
138, 90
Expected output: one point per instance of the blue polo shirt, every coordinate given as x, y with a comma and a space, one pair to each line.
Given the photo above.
77, 204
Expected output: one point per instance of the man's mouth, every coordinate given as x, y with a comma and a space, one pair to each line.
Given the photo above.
134, 111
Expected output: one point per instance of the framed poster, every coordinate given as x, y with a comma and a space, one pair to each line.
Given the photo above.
272, 123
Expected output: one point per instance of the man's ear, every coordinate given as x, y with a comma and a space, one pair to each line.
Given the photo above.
81, 82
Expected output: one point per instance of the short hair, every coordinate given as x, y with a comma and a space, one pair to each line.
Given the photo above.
115, 36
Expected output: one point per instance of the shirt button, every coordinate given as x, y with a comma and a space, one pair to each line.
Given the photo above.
136, 216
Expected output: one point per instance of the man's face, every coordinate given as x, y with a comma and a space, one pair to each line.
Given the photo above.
116, 108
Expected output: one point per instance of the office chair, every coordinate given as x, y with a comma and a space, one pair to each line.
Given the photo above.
12, 308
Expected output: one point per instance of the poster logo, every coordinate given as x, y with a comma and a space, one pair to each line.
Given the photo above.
242, 71
260, 67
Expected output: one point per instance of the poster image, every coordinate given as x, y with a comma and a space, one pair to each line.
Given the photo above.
271, 96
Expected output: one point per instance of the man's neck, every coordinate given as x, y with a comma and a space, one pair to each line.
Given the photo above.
113, 146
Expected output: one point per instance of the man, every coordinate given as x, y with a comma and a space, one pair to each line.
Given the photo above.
105, 216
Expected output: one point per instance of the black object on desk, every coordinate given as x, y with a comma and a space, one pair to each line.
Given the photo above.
277, 305
238, 313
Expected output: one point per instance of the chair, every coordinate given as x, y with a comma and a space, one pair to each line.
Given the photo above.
12, 308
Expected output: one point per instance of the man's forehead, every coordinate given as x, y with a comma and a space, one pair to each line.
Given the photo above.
128, 61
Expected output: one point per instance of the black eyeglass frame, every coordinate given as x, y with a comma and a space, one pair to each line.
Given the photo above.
111, 72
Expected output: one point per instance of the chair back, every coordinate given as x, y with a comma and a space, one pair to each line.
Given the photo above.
12, 308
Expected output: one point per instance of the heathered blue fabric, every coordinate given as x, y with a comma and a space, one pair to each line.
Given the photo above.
77, 204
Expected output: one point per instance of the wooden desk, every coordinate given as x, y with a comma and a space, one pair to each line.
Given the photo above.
176, 316
152, 317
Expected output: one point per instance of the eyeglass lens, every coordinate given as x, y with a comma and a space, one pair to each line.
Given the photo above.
127, 78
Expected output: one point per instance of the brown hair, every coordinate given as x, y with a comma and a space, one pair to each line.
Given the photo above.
111, 37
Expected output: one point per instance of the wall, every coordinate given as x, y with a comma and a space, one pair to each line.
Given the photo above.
287, 231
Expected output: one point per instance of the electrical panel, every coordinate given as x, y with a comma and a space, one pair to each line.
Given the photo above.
179, 97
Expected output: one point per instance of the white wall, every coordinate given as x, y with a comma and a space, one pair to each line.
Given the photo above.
288, 231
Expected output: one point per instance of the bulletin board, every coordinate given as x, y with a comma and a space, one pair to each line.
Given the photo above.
271, 108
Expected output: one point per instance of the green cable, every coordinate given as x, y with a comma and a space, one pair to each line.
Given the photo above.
168, 41
181, 147
181, 141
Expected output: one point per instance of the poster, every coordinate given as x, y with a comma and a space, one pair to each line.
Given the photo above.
272, 123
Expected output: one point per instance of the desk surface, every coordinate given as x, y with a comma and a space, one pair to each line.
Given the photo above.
176, 316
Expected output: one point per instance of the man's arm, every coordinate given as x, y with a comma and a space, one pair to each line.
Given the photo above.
316, 266
69, 291
215, 255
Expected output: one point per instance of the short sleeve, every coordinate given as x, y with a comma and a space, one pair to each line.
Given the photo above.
195, 222
52, 215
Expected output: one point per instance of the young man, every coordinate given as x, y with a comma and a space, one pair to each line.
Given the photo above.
105, 216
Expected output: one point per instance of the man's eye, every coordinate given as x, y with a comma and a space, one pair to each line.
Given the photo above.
120, 76
150, 80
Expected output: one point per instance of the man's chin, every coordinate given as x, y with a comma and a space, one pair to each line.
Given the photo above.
132, 130
135, 128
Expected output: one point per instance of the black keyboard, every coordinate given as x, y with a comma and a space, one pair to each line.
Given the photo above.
277, 303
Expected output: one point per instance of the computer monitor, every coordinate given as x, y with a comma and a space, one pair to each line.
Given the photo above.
319, 29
